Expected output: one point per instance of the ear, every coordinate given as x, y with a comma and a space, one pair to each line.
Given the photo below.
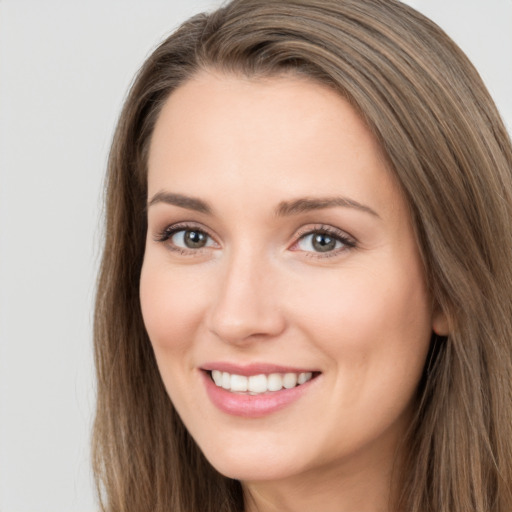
440, 324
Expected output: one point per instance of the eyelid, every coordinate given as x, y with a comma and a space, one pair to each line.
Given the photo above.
323, 228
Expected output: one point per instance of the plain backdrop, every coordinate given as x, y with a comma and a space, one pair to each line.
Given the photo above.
65, 67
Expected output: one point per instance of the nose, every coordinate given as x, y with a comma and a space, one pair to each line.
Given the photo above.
246, 306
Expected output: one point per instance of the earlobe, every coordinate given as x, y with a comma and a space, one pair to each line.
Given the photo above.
440, 324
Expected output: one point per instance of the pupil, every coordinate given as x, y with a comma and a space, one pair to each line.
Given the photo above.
323, 243
195, 239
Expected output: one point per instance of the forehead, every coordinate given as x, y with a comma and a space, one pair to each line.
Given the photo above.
211, 100
282, 133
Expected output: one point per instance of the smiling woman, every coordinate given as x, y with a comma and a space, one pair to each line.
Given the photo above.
302, 305
326, 293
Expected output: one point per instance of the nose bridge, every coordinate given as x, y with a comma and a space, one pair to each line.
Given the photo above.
246, 302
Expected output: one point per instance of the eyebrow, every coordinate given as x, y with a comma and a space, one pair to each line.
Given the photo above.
307, 204
284, 209
190, 203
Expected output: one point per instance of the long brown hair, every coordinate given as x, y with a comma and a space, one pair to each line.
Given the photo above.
452, 156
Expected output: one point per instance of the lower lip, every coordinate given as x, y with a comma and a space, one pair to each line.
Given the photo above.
252, 406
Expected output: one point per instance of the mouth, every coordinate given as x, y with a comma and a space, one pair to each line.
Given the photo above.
256, 390
261, 383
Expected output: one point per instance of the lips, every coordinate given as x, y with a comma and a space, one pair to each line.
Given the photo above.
255, 390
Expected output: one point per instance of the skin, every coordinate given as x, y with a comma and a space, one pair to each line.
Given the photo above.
259, 291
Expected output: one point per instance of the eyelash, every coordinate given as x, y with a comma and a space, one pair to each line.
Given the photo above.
347, 241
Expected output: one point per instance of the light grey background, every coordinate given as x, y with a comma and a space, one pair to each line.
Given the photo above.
65, 67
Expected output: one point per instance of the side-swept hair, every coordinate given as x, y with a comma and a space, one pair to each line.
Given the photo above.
452, 156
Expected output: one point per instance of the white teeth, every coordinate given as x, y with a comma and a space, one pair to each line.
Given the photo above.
256, 384
274, 382
238, 383
290, 380
217, 377
226, 380
304, 377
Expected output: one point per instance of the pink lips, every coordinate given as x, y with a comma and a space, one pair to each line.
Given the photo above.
251, 406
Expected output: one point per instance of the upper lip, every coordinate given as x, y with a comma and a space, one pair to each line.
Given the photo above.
253, 368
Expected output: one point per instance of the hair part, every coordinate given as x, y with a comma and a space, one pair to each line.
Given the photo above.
452, 157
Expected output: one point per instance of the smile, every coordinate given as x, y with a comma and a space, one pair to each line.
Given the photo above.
256, 390
259, 384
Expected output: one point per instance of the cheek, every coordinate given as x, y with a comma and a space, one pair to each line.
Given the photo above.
172, 309
375, 331
371, 322
171, 306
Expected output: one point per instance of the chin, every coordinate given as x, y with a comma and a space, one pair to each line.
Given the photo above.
252, 467
251, 472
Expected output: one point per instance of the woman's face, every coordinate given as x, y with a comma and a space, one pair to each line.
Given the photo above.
280, 258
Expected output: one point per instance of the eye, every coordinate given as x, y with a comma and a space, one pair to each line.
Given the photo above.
183, 238
190, 239
326, 240
318, 242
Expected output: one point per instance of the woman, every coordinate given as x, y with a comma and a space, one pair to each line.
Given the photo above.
305, 295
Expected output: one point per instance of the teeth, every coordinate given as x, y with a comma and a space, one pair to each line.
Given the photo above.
226, 381
217, 377
304, 377
257, 384
290, 380
239, 383
274, 382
